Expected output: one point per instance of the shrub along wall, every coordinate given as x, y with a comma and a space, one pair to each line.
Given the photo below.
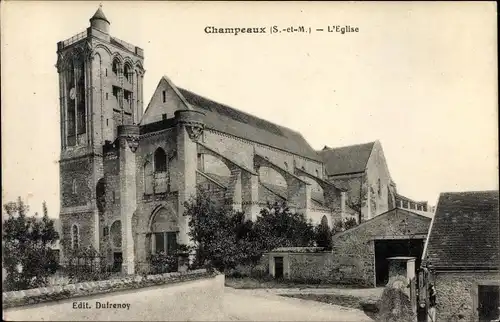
46, 294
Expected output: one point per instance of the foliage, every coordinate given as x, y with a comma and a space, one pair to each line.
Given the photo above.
343, 225
163, 263
277, 226
27, 257
323, 236
223, 239
395, 306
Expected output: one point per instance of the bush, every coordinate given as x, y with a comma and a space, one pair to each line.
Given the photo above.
395, 306
163, 263
27, 256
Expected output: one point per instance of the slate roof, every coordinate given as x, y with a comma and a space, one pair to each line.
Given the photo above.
347, 159
228, 120
465, 231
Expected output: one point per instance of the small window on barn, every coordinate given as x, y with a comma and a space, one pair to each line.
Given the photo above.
164, 95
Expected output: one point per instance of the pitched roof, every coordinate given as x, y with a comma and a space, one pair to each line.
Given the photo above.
228, 120
347, 159
464, 232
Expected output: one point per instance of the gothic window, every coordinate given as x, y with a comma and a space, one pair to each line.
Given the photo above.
105, 231
324, 221
74, 187
126, 73
317, 173
286, 166
80, 96
165, 242
70, 110
164, 232
379, 185
160, 160
75, 237
115, 67
116, 234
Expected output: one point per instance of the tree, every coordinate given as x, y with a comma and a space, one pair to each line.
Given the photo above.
277, 226
343, 225
221, 237
27, 257
323, 235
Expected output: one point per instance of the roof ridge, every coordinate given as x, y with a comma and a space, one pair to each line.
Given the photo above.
327, 148
239, 110
470, 191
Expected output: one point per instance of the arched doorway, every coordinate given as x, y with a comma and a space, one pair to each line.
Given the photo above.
164, 230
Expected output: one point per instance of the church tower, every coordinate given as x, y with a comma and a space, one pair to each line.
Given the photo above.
100, 89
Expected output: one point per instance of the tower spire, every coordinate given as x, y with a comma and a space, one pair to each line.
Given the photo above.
99, 20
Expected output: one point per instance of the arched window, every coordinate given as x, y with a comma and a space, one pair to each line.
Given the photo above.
74, 187
126, 73
164, 232
317, 173
71, 104
75, 237
116, 234
160, 160
115, 67
379, 185
286, 166
324, 221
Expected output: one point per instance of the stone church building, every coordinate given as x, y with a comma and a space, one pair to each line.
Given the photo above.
126, 171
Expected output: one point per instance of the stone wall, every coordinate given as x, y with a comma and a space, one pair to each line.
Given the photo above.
85, 223
355, 247
352, 260
195, 295
456, 294
378, 180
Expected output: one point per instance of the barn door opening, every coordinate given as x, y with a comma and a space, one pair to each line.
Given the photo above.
385, 248
488, 302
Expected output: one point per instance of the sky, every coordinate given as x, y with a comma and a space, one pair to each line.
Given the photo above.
420, 77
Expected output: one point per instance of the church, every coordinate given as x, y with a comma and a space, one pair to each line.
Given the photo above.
127, 168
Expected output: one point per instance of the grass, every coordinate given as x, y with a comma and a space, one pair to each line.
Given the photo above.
257, 283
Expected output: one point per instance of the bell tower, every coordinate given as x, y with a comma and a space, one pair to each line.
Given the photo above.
100, 88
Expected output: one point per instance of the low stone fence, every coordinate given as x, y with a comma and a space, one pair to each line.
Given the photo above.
47, 294
317, 266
